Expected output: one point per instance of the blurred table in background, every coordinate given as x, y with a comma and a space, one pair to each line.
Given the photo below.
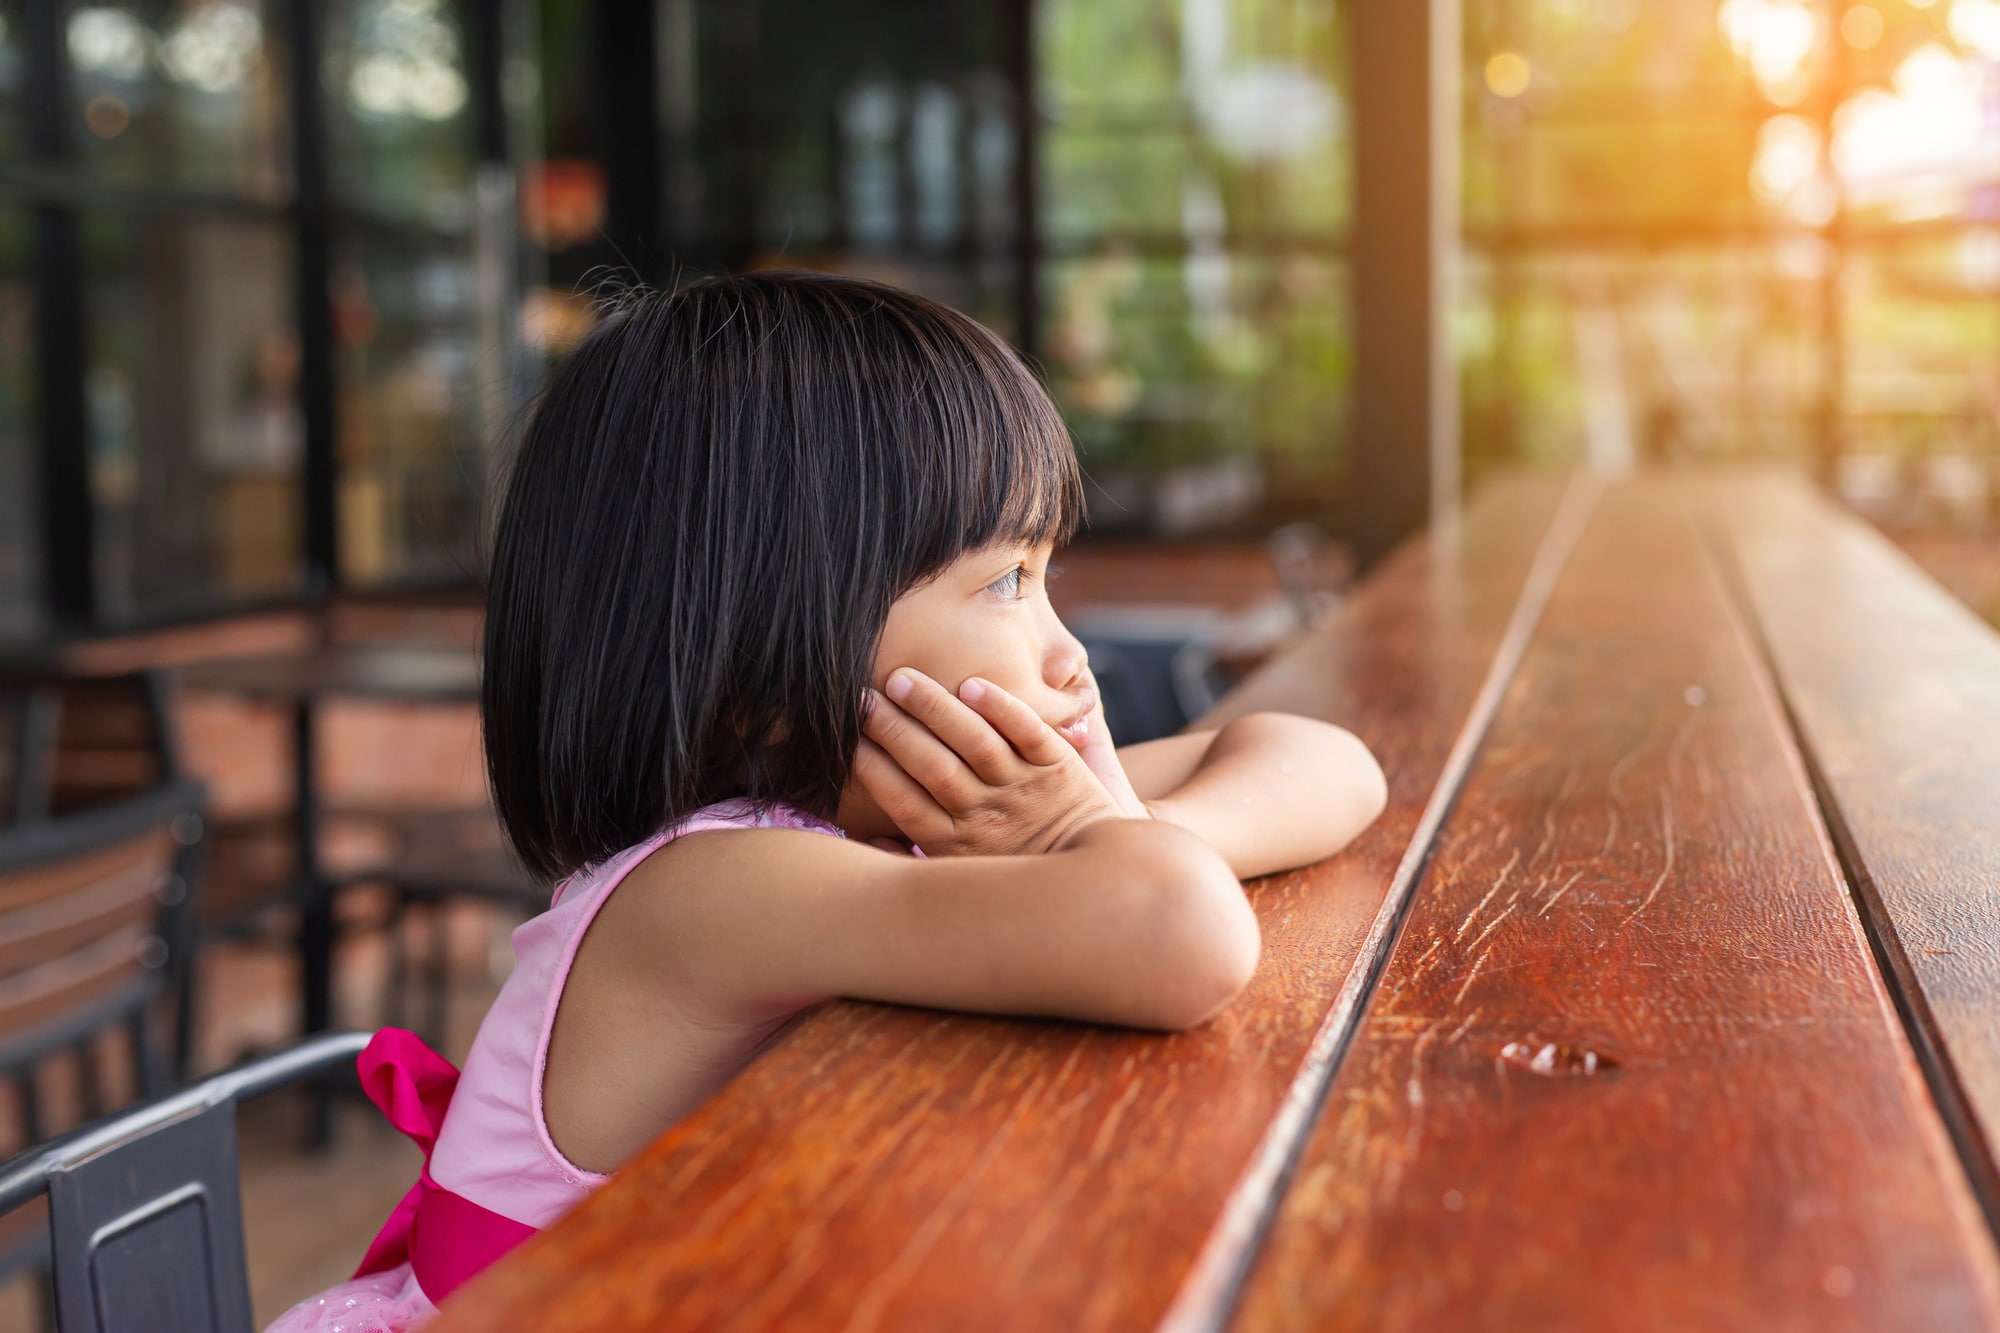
301, 681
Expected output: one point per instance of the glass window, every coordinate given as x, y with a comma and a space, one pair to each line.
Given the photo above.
400, 95
410, 372
1195, 196
191, 395
188, 93
1231, 370
20, 613
13, 73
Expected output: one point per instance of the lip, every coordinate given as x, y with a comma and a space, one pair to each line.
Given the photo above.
1077, 729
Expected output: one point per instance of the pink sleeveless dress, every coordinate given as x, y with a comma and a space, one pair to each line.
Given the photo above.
492, 1175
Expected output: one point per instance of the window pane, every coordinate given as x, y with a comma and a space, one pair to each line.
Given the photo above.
19, 530
1236, 365
13, 72
190, 93
412, 462
1227, 115
192, 402
400, 127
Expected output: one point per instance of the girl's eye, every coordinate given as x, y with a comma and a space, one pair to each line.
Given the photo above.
1008, 585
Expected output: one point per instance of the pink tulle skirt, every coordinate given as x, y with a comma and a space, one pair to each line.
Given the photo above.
385, 1302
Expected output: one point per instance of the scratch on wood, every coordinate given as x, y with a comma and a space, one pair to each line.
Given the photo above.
1556, 897
1102, 1140
1667, 833
1499, 883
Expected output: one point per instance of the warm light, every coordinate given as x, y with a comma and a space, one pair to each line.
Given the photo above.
1786, 173
1773, 37
1975, 25
1787, 156
106, 116
1979, 259
1861, 26
1919, 146
1507, 73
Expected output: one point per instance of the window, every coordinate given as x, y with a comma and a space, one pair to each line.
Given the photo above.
245, 310
20, 562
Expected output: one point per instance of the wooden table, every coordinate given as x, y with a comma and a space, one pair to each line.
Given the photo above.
300, 681
1664, 995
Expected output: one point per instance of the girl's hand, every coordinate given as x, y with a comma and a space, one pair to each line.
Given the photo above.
976, 775
1100, 756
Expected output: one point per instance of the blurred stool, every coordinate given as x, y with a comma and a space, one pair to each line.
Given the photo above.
441, 857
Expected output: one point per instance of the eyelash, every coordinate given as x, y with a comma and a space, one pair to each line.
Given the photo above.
1019, 574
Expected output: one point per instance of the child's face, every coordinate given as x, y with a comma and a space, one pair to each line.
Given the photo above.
986, 615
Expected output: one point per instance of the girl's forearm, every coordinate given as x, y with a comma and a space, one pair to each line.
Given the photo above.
1275, 791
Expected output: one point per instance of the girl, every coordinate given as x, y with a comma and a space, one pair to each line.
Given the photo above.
774, 690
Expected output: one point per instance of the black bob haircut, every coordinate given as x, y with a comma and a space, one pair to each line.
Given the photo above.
716, 501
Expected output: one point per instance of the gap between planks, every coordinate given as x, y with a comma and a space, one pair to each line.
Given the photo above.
1209, 1292
1919, 1026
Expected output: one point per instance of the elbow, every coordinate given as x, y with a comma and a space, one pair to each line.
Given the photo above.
1371, 784
1207, 938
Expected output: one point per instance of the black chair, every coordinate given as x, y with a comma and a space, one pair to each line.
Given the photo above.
441, 857
30, 713
145, 1217
71, 745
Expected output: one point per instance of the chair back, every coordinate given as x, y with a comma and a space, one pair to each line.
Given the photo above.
29, 717
88, 905
145, 1211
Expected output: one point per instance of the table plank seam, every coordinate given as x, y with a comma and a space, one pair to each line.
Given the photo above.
1208, 1295
1919, 1026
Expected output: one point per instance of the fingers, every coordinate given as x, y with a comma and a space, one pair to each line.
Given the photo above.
1035, 740
920, 754
968, 734
900, 796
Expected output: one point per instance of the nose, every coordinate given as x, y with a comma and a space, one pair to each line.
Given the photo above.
1066, 661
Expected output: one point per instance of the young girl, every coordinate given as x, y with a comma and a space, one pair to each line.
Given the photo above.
774, 690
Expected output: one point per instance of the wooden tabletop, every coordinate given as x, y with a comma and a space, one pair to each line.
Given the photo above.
1663, 995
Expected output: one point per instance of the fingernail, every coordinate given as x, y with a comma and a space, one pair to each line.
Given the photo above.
867, 702
973, 690
899, 686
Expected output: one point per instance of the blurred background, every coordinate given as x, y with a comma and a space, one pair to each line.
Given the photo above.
274, 278
278, 278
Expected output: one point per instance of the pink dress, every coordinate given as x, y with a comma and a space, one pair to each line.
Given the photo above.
492, 1175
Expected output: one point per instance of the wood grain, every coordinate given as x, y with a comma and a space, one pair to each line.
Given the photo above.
894, 1168
1631, 1065
1895, 687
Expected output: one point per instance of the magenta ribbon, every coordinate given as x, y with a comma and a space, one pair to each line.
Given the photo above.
446, 1238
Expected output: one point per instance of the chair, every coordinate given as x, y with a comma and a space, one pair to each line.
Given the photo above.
93, 911
80, 744
29, 717
442, 856
145, 1227
92, 908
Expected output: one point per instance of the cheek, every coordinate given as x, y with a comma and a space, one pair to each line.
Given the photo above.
949, 647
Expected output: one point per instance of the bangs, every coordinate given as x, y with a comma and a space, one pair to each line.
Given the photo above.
987, 457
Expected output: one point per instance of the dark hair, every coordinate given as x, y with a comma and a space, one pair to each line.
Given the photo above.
715, 503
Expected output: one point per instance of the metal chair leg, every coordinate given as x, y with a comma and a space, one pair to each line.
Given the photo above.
440, 975
89, 1080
